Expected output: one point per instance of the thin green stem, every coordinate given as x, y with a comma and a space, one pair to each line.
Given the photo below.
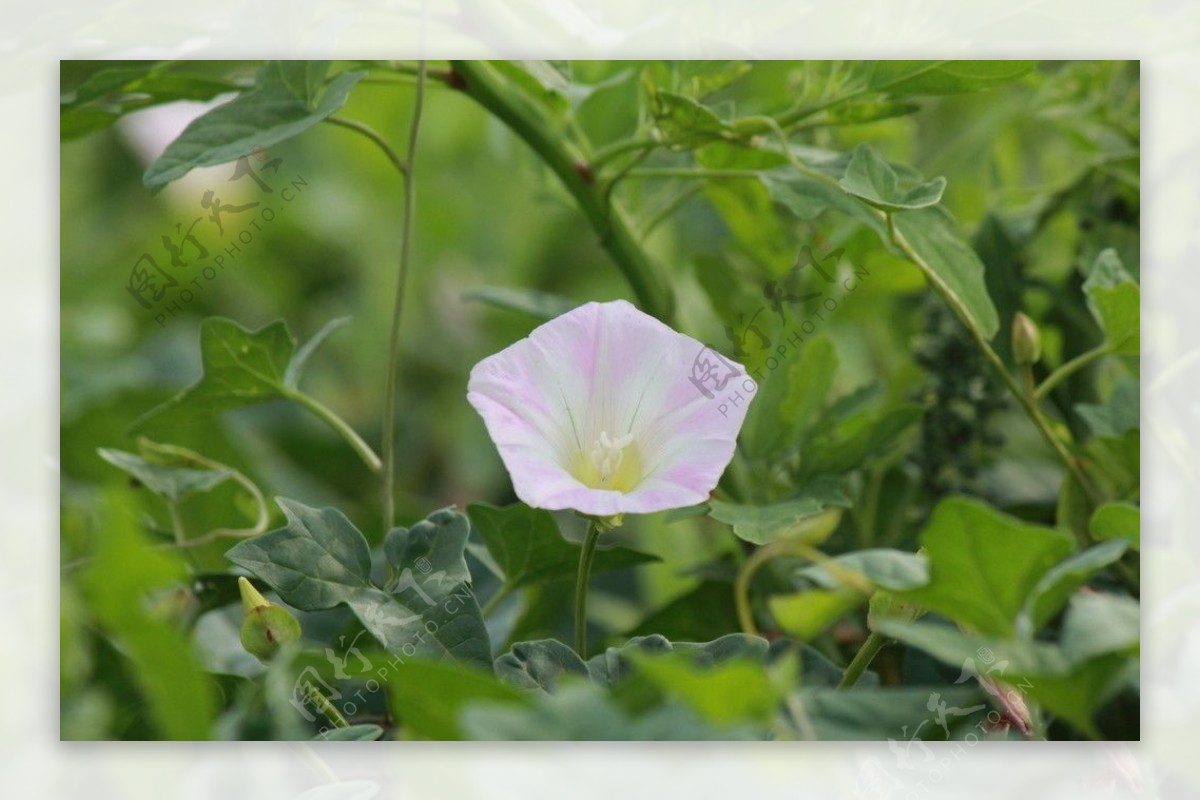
370, 133
741, 585
337, 424
606, 154
1070, 368
586, 556
177, 523
389, 406
691, 172
866, 654
480, 81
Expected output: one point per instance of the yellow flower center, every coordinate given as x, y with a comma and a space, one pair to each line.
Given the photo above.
609, 464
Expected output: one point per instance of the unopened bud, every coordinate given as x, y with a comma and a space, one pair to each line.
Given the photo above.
1026, 340
267, 626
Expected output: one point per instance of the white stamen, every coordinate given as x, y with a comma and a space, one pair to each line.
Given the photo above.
607, 454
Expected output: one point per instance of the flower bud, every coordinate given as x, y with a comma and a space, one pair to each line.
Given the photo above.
1026, 340
267, 626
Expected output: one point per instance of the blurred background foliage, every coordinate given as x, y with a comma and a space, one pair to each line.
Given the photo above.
1041, 174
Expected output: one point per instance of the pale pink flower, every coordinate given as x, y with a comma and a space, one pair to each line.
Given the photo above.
606, 410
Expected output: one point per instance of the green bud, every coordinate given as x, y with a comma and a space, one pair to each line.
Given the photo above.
267, 626
1026, 340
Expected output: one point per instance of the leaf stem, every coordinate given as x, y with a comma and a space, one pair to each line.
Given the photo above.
586, 556
389, 413
1071, 367
866, 654
480, 81
373, 135
337, 424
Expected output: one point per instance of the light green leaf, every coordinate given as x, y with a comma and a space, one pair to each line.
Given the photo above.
320, 560
539, 665
1118, 415
802, 519
804, 615
680, 119
172, 483
858, 438
428, 698
886, 568
726, 693
950, 263
1052, 592
363, 732
1100, 623
788, 403
1118, 520
983, 565
914, 78
529, 549
871, 178
1115, 300
284, 102
241, 368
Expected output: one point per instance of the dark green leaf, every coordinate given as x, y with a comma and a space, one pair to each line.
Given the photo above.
1115, 300
899, 714
283, 103
320, 560
1118, 415
539, 305
539, 665
529, 549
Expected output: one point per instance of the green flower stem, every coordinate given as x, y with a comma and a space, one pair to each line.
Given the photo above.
866, 654
389, 406
480, 81
370, 133
586, 556
327, 708
337, 424
1070, 368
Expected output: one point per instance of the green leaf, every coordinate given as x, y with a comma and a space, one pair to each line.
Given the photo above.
616, 664
729, 692
241, 368
529, 549
886, 568
914, 78
803, 519
983, 565
680, 120
117, 584
788, 403
871, 178
894, 713
539, 305
1118, 520
539, 665
1021, 658
857, 439
1100, 623
804, 615
172, 483
1120, 414
1052, 592
950, 263
428, 698
284, 102
702, 613
585, 712
360, 733
319, 560
1115, 301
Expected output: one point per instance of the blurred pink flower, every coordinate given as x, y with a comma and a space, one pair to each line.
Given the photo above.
606, 410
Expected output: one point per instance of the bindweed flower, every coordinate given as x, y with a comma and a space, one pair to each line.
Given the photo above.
606, 410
